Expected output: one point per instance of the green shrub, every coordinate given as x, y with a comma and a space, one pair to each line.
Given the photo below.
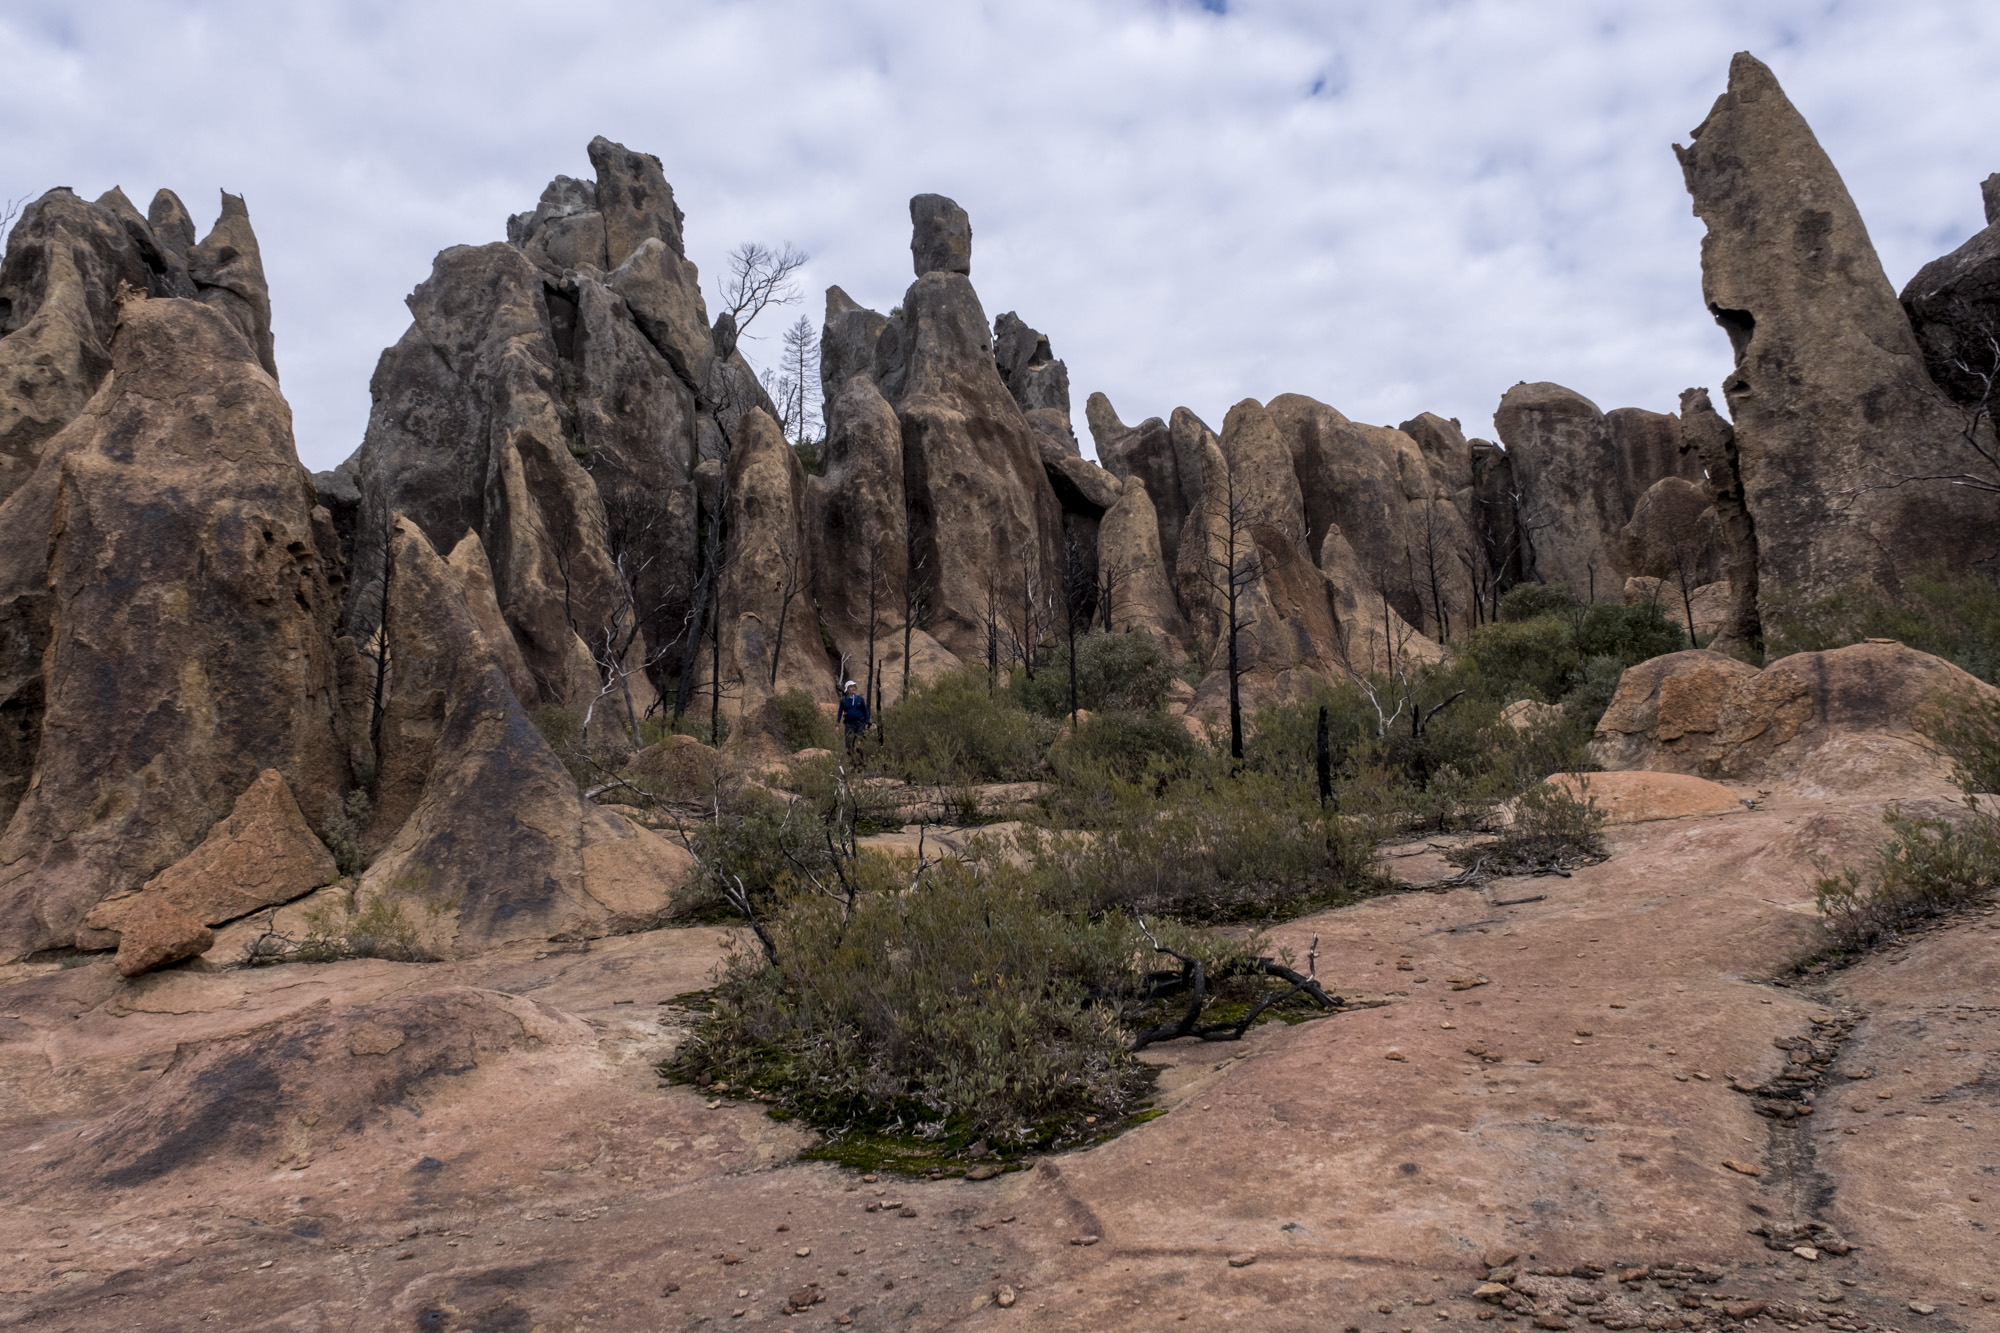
1556, 826
966, 1009
953, 731
1925, 867
1953, 616
1629, 634
1529, 601
1525, 659
1117, 672
1968, 732
1216, 847
342, 830
804, 725
1130, 745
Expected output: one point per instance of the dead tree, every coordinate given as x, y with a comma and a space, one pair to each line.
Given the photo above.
1228, 574
1193, 980
1110, 578
1077, 587
787, 594
759, 277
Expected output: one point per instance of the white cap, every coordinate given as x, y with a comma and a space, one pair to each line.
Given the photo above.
849, 685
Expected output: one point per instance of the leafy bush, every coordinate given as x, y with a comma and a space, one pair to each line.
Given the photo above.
1556, 825
963, 1010
342, 830
1968, 731
1953, 616
1628, 634
1925, 867
952, 730
1129, 745
1118, 672
805, 726
1530, 601
1214, 847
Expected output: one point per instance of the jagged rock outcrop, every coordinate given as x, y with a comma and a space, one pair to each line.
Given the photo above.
473, 576
167, 622
1835, 416
1153, 452
1260, 478
985, 526
1132, 571
847, 343
1039, 382
1711, 441
484, 836
1954, 307
65, 262
1580, 473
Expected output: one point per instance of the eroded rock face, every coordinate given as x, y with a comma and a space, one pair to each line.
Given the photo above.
985, 524
770, 638
1836, 721
1834, 413
167, 618
1133, 568
1711, 441
1673, 534
1039, 382
1145, 451
228, 272
1954, 307
855, 518
847, 343
486, 836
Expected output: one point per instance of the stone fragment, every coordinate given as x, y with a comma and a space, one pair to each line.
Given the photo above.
264, 853
1243, 1260
1743, 1168
154, 932
1004, 1298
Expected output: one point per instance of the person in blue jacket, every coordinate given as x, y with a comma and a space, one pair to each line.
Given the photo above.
853, 714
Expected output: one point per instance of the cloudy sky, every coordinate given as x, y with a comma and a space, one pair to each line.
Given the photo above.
1392, 207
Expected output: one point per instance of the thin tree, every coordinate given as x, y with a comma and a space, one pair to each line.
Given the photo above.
759, 278
787, 594
916, 593
1077, 587
1228, 573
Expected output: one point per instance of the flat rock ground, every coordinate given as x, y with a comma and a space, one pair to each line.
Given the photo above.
297, 1147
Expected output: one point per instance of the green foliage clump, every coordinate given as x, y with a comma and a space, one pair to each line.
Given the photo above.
1925, 867
1555, 826
342, 830
1124, 673
1127, 745
966, 1009
1531, 601
954, 730
1953, 616
804, 725
1213, 847
1968, 732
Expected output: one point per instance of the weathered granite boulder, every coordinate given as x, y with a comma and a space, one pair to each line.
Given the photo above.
1673, 535
1261, 476
166, 622
1146, 451
1836, 420
484, 836
1822, 722
941, 236
474, 579
263, 854
155, 933
1954, 308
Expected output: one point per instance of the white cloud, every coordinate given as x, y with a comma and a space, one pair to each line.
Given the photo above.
1392, 208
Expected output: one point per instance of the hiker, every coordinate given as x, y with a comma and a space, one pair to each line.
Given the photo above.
853, 714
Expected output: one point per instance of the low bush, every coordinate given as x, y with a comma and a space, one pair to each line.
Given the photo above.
1968, 732
1214, 847
342, 829
1557, 826
401, 921
954, 731
1925, 867
1117, 672
1127, 745
1530, 601
804, 724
